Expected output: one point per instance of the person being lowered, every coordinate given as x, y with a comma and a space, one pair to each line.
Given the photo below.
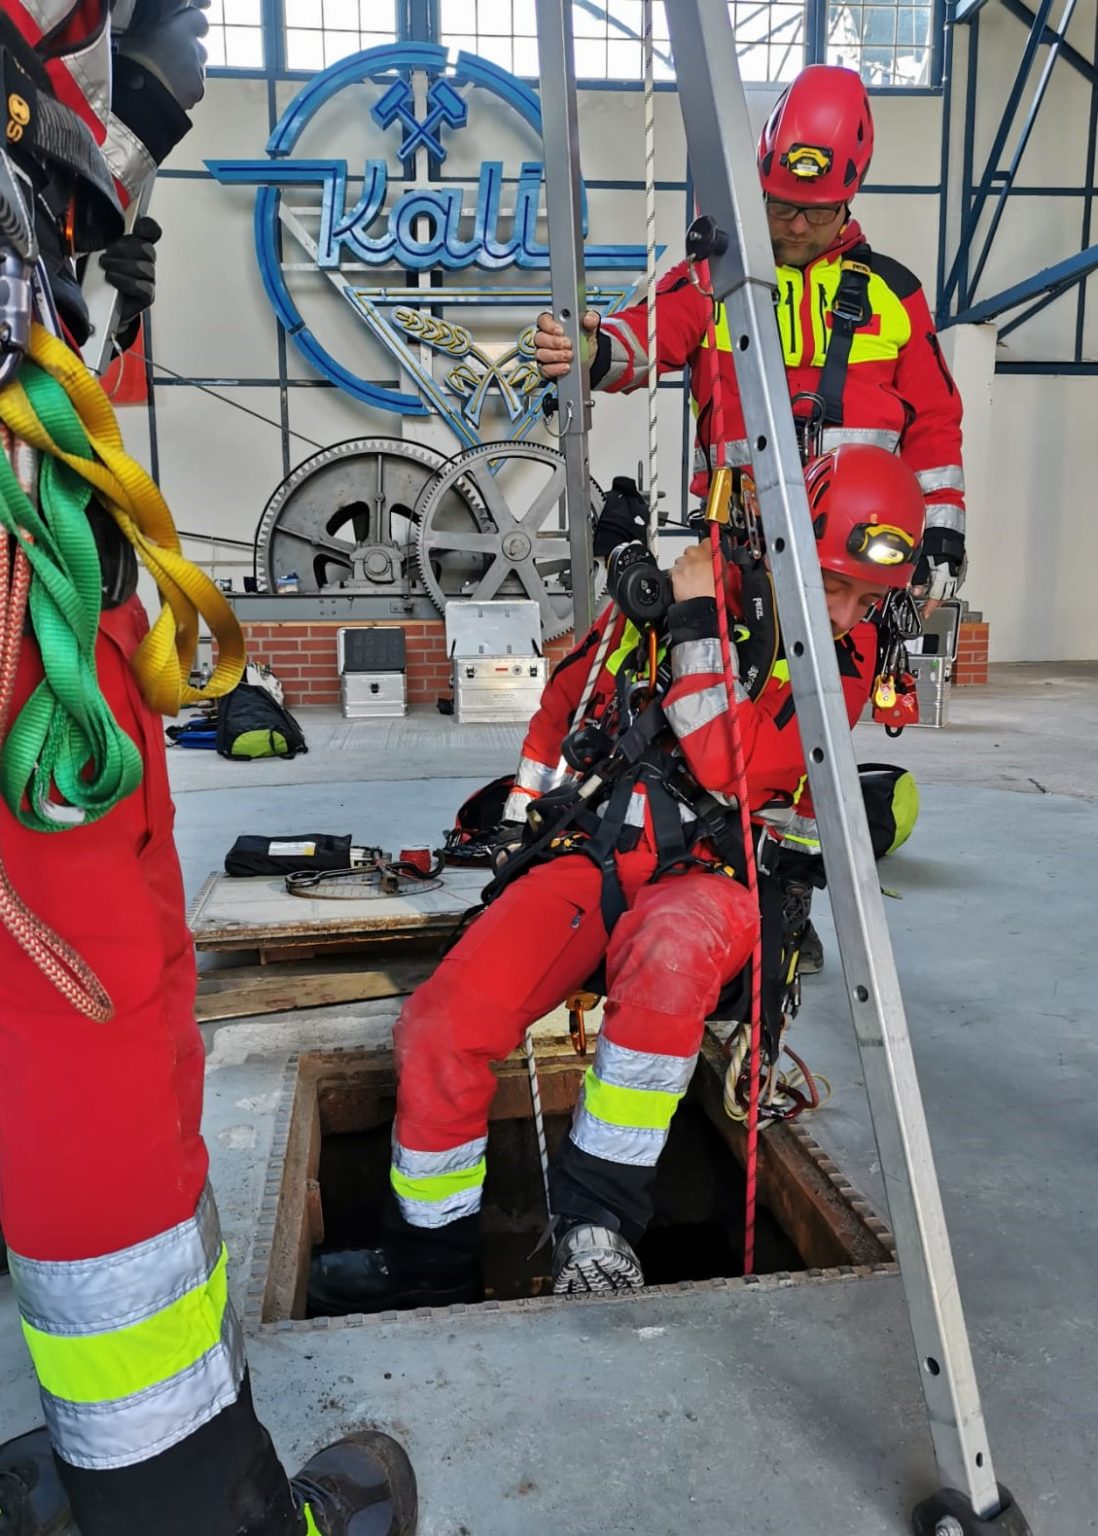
632, 862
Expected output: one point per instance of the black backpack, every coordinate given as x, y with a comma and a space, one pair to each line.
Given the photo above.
251, 723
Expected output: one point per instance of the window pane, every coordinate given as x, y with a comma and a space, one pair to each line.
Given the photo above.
624, 61
244, 47
214, 45
497, 49
304, 49
459, 16
590, 59
341, 15
320, 32
526, 20
526, 57
244, 13
495, 19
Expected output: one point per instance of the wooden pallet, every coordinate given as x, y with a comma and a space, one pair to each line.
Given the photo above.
243, 991
230, 914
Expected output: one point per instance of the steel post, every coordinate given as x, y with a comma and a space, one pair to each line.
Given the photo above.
564, 208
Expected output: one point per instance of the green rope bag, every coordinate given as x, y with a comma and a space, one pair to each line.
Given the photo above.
64, 737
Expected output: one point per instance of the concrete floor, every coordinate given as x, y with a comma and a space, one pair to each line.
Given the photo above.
773, 1410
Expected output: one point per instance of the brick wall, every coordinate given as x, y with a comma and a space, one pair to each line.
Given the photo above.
970, 669
303, 656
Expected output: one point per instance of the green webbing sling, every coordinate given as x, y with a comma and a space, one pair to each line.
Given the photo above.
65, 733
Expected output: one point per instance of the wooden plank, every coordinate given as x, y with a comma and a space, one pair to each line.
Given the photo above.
246, 914
249, 990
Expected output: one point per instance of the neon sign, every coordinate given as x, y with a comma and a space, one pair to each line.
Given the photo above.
426, 228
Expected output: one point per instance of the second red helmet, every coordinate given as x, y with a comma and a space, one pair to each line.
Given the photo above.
818, 141
867, 512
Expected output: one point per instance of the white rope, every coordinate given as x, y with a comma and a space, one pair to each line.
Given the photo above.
650, 272
778, 1080
539, 1118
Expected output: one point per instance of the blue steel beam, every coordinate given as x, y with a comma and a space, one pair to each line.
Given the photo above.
1007, 178
1078, 61
967, 9
983, 191
1053, 279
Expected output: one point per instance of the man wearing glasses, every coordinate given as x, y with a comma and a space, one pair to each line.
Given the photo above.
861, 352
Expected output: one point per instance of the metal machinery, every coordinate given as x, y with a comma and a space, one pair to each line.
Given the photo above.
386, 517
720, 143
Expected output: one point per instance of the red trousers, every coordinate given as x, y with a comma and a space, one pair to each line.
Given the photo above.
99, 1123
680, 940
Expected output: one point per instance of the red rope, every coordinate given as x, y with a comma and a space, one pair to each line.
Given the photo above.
718, 438
55, 958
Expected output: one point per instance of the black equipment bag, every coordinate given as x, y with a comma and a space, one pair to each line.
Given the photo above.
251, 723
287, 855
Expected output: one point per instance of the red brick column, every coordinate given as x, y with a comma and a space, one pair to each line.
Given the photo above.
970, 668
303, 657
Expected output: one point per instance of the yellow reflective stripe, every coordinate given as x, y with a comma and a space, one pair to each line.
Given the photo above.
722, 333
781, 671
643, 1109
99, 1367
441, 1185
311, 1527
630, 639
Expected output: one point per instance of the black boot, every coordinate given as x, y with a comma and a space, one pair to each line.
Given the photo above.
32, 1500
414, 1267
811, 962
592, 1255
361, 1486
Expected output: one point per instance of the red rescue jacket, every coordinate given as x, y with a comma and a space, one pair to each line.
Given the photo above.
899, 393
696, 706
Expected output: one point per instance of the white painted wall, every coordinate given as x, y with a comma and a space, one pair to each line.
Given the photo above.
218, 466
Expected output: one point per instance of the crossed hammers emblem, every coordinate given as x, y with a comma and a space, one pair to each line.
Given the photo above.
444, 106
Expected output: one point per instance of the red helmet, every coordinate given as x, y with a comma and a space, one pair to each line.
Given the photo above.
867, 513
818, 141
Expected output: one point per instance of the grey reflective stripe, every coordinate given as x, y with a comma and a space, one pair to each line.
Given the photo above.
876, 437
625, 351
128, 161
625, 1068
943, 514
778, 816
85, 1296
686, 815
90, 68
514, 807
802, 829
616, 1143
429, 1165
127, 1430
736, 451
949, 477
693, 658
634, 816
440, 1213
694, 710
535, 776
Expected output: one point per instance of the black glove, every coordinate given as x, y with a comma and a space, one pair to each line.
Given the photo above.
624, 518
130, 265
942, 563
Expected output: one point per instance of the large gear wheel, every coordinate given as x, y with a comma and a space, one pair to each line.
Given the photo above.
523, 551
344, 520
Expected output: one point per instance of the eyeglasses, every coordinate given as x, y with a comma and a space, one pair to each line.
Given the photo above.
818, 214
881, 544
